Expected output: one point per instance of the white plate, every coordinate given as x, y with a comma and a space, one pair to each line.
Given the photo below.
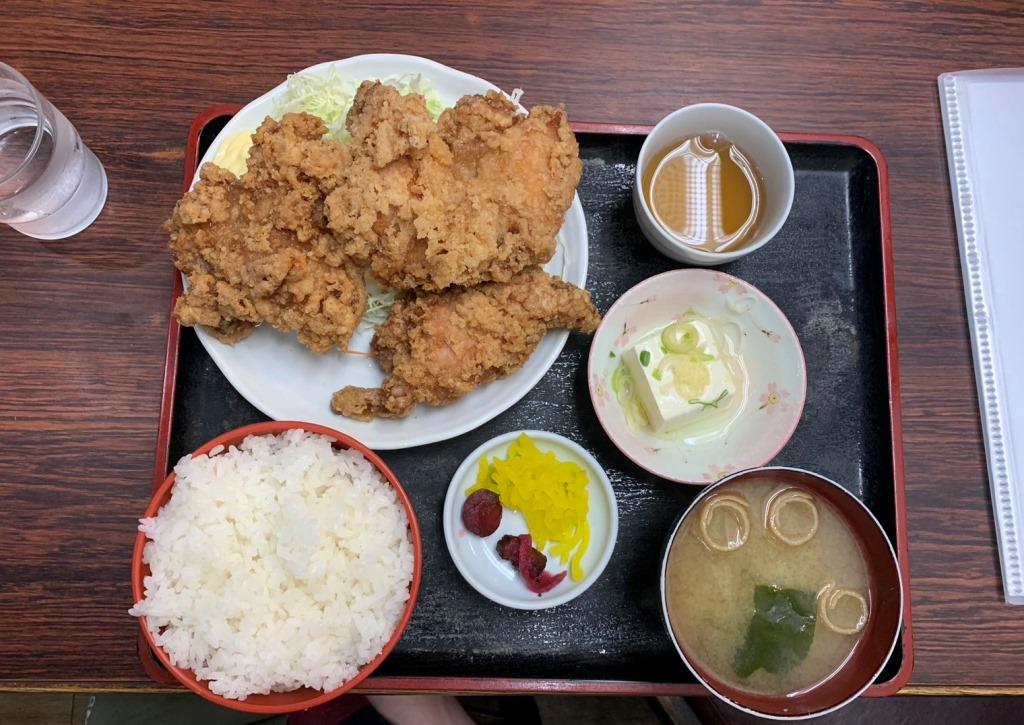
287, 381
476, 557
770, 348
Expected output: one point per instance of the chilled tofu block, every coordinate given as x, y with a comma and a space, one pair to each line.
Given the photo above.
679, 390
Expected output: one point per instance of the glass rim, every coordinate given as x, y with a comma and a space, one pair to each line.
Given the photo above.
40, 123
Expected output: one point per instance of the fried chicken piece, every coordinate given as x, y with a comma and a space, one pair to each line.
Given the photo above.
436, 347
256, 249
477, 196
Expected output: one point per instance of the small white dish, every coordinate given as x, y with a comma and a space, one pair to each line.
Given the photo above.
755, 138
476, 557
771, 350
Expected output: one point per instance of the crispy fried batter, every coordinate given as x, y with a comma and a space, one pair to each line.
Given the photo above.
459, 212
436, 347
256, 249
478, 196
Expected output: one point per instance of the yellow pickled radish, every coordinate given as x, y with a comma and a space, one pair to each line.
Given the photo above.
551, 494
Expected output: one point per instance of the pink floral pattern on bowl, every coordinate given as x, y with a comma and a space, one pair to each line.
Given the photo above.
728, 283
716, 472
774, 399
622, 341
599, 386
776, 388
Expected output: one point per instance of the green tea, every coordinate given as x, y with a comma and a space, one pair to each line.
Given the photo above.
706, 192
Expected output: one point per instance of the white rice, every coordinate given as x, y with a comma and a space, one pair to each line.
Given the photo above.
276, 565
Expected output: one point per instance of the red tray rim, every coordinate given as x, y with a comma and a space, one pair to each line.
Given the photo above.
507, 685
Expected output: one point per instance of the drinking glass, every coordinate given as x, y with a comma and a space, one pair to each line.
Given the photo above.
51, 184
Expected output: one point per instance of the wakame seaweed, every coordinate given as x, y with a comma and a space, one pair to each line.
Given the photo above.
780, 632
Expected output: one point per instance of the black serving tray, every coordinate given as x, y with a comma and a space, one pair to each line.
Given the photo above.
829, 270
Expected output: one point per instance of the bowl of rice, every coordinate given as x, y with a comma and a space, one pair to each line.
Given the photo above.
276, 567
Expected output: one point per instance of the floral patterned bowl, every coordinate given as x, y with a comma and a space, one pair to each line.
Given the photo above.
777, 384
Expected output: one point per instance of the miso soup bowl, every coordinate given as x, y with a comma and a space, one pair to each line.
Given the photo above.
885, 597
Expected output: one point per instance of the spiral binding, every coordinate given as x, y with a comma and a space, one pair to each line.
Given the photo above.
972, 254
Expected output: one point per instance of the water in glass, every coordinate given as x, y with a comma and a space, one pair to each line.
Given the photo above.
51, 184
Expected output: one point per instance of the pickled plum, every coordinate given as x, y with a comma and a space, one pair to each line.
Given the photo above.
481, 513
508, 549
536, 583
520, 552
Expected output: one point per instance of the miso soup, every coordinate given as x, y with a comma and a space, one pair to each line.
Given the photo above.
766, 588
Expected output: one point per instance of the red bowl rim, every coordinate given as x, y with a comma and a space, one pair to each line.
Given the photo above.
234, 437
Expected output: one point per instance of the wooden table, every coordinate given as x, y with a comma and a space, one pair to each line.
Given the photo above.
83, 321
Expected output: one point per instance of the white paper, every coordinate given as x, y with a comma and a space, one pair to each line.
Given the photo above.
983, 117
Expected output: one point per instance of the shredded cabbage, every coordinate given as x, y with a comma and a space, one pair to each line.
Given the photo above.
379, 301
329, 95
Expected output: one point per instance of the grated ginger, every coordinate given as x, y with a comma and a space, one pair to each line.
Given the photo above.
550, 494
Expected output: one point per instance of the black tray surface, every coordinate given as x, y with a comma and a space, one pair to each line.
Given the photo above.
824, 270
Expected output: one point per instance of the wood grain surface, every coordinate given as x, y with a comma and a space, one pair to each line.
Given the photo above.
83, 321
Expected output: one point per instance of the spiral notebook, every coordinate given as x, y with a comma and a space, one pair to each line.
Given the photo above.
982, 114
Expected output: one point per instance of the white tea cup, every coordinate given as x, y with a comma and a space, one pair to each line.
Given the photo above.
757, 141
